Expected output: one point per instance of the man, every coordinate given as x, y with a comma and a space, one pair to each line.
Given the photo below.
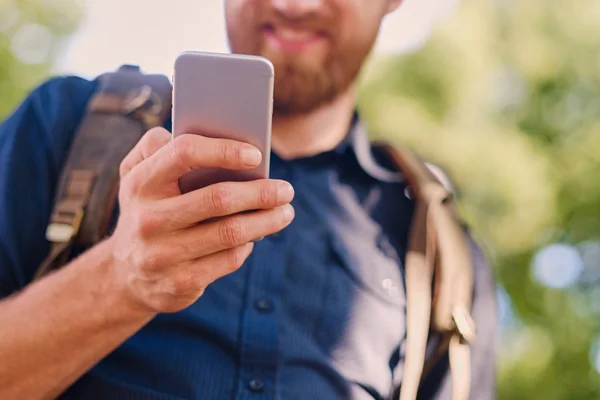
167, 308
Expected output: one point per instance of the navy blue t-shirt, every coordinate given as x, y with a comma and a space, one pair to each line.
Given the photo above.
316, 312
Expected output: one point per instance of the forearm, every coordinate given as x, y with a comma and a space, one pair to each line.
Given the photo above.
59, 327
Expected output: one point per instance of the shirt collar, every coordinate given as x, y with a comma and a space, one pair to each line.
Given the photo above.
358, 141
357, 146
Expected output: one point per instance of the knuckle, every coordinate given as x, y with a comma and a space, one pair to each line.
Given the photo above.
143, 274
149, 261
143, 259
130, 185
155, 134
145, 224
231, 232
227, 152
148, 224
137, 260
266, 195
182, 149
152, 140
167, 286
220, 198
182, 285
150, 136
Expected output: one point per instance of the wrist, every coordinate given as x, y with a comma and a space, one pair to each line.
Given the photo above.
111, 284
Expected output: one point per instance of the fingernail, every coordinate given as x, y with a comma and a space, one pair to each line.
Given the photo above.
285, 192
288, 212
251, 156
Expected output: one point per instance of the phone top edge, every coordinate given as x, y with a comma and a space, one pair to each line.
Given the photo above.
261, 59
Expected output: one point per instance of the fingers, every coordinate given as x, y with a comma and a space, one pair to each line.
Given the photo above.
212, 237
188, 152
219, 200
149, 144
194, 276
181, 285
227, 262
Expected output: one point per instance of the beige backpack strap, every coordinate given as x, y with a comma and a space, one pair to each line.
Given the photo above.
126, 104
438, 259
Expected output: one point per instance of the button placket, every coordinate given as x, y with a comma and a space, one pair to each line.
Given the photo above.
258, 362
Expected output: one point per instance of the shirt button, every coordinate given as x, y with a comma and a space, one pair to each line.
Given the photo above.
264, 305
256, 385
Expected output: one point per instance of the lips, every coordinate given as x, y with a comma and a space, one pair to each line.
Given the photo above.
292, 39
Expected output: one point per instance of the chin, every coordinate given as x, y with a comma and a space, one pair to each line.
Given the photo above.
305, 82
298, 93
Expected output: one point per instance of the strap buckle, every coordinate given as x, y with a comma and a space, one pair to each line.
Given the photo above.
464, 323
143, 103
58, 232
67, 215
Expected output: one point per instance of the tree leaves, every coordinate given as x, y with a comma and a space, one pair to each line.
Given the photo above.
506, 97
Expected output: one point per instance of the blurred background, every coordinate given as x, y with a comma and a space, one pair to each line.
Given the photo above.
504, 94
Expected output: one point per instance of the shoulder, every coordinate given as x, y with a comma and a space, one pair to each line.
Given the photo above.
57, 100
67, 87
50, 111
69, 91
42, 126
383, 160
34, 141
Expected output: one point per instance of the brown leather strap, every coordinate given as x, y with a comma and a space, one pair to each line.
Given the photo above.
55, 256
143, 104
126, 104
66, 217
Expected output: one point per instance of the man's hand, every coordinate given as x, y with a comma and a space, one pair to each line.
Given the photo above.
167, 245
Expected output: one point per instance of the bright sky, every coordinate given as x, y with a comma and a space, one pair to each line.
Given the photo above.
151, 33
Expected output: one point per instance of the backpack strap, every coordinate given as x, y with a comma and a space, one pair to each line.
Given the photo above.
126, 104
439, 279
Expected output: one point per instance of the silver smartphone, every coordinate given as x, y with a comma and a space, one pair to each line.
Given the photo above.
223, 96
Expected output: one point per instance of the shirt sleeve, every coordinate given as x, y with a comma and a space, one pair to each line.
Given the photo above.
34, 142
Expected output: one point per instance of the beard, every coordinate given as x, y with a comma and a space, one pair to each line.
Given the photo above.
304, 84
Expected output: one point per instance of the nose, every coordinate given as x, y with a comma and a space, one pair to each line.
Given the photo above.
297, 9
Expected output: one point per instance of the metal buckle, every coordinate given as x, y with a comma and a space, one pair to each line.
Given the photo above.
139, 98
63, 233
464, 323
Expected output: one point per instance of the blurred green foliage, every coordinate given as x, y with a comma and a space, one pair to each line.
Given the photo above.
32, 34
506, 97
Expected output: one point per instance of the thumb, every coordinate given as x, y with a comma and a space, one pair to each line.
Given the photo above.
149, 144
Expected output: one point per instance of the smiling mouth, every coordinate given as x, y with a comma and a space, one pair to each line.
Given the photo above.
292, 39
